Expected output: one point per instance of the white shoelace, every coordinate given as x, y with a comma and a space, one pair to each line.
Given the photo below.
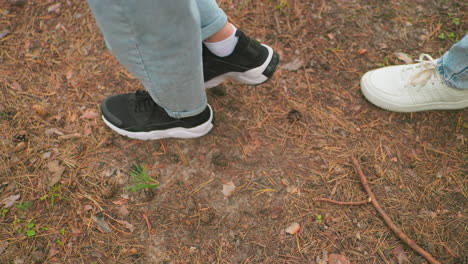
428, 71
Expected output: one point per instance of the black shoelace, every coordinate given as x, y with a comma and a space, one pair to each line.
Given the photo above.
144, 102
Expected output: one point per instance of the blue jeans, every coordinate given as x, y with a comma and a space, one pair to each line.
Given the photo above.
453, 65
160, 42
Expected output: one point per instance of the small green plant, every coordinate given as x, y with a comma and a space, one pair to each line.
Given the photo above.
386, 62
23, 206
59, 242
455, 19
319, 219
55, 192
141, 179
282, 4
4, 212
451, 36
30, 232
62, 231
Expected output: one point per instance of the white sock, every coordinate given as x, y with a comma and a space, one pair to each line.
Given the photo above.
224, 47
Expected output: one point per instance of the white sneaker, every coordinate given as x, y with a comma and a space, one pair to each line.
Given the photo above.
411, 88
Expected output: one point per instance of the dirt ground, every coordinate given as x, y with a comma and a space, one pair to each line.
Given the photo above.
230, 197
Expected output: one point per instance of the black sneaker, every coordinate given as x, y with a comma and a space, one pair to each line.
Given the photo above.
136, 115
250, 63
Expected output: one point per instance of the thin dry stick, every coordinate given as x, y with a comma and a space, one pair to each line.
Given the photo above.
343, 203
387, 219
147, 223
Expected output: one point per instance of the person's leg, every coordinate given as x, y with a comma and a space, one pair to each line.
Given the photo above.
212, 19
230, 54
453, 65
160, 43
428, 85
225, 32
217, 33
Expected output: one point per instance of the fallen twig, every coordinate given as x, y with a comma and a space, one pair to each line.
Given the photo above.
343, 203
147, 222
387, 219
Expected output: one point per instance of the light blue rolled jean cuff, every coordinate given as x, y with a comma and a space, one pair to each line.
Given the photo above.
214, 27
183, 114
212, 17
453, 65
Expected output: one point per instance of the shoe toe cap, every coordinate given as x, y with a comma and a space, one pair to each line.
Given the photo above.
384, 82
385, 88
112, 108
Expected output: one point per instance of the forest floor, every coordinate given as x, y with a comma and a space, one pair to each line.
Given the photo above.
232, 195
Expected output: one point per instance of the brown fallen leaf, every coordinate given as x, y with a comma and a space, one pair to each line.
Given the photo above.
228, 188
123, 211
294, 65
404, 57
72, 117
75, 230
400, 254
120, 201
69, 74
361, 51
130, 251
358, 235
11, 200
54, 7
40, 110
99, 220
129, 226
293, 228
17, 87
56, 172
38, 256
53, 251
51, 131
291, 189
70, 136
97, 254
337, 259
89, 114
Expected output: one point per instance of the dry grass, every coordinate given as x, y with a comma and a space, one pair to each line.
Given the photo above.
283, 144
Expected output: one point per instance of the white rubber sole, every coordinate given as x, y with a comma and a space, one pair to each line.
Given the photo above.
395, 107
253, 76
177, 132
